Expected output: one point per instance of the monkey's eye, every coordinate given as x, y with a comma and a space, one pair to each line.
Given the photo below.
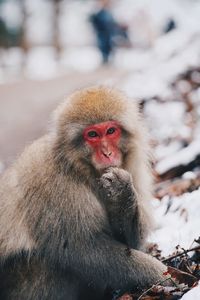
92, 134
111, 130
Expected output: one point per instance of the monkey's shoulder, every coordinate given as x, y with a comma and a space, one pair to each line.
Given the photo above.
36, 153
30, 164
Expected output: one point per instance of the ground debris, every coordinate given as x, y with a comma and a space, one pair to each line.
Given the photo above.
182, 275
177, 186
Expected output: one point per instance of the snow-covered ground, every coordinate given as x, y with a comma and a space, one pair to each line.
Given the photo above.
178, 217
194, 294
178, 221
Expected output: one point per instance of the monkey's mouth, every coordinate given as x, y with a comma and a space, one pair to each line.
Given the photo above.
103, 160
103, 165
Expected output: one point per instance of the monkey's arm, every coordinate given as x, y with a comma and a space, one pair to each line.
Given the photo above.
75, 237
106, 263
127, 216
89, 251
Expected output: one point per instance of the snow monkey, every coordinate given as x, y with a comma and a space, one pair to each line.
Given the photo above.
74, 212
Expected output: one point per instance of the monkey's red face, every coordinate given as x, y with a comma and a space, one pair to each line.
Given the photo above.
103, 139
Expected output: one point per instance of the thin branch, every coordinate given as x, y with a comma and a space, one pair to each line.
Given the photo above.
180, 253
158, 283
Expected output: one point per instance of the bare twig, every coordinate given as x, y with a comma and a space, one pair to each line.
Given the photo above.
180, 253
154, 285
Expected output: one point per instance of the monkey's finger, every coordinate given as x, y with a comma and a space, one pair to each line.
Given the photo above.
119, 175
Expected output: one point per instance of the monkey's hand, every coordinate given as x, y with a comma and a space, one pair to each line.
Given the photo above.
121, 202
125, 212
116, 187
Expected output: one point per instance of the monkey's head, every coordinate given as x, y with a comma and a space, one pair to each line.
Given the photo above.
96, 128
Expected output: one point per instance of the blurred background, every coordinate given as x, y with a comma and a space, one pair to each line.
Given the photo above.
50, 47
148, 49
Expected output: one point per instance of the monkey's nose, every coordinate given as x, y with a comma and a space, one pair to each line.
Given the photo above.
106, 149
107, 154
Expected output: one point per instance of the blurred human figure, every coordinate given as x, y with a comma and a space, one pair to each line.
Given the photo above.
3, 34
108, 31
170, 25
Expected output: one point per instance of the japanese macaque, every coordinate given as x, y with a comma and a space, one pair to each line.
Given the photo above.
74, 212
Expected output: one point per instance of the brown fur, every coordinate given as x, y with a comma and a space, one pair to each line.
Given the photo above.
56, 219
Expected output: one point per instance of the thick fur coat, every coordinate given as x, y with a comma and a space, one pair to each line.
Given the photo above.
59, 239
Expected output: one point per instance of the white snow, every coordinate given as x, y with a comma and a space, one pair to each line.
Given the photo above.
182, 157
177, 220
86, 60
166, 120
162, 150
194, 294
41, 63
11, 13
